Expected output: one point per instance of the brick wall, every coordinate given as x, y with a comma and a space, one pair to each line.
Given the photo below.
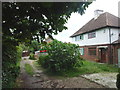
115, 53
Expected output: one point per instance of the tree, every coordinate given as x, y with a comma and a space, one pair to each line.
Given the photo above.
34, 46
24, 21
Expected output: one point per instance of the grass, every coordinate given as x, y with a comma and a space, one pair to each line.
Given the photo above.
29, 69
88, 67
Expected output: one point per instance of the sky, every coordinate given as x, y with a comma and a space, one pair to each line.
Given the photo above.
76, 21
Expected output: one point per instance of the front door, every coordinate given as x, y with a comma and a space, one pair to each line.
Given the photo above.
119, 57
103, 55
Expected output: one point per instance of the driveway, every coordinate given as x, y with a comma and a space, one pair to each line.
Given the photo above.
41, 80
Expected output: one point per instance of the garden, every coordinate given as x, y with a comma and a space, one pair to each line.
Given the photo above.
64, 59
25, 28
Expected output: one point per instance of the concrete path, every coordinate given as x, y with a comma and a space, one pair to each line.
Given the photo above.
105, 79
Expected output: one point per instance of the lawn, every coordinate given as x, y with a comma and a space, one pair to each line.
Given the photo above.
87, 67
29, 69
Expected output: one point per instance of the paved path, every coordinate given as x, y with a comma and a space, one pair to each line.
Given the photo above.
105, 79
40, 80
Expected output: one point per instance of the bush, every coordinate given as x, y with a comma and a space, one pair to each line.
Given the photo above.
10, 66
32, 56
44, 60
19, 54
118, 80
62, 56
34, 46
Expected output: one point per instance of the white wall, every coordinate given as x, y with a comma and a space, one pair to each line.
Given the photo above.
102, 37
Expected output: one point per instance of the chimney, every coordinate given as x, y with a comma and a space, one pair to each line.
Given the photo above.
97, 13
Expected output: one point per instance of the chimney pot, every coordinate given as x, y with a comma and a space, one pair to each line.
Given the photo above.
97, 13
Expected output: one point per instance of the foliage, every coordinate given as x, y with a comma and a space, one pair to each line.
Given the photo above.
34, 46
44, 60
29, 20
32, 56
118, 80
29, 69
11, 58
62, 56
87, 67
24, 47
19, 52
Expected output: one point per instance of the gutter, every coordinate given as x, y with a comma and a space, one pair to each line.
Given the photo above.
111, 58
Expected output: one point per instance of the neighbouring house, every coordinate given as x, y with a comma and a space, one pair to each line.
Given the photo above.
99, 39
48, 40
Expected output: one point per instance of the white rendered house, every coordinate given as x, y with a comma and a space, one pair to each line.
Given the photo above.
99, 38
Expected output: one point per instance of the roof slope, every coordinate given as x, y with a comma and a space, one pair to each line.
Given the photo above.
104, 20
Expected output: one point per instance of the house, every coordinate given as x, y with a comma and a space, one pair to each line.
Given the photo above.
99, 39
48, 40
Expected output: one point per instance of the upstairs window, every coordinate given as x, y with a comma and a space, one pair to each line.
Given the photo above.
78, 38
81, 37
91, 35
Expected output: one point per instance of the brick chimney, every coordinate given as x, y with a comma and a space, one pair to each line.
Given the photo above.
97, 13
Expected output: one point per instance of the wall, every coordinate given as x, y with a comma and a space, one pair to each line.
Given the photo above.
110, 54
102, 37
115, 53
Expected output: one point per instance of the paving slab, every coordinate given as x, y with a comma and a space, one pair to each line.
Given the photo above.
105, 79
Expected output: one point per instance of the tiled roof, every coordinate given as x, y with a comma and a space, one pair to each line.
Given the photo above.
116, 42
104, 20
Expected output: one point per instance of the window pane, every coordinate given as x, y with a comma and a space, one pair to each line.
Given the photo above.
81, 51
92, 51
91, 35
81, 37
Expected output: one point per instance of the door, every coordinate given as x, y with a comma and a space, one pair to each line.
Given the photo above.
119, 57
103, 55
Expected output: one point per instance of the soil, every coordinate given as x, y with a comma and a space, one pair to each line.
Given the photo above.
40, 80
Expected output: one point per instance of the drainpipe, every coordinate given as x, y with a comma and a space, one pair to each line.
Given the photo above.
110, 47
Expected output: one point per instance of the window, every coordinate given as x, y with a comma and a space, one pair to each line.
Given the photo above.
81, 51
91, 51
81, 37
104, 31
77, 38
91, 35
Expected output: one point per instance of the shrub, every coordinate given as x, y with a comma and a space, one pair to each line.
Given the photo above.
44, 60
32, 56
118, 80
10, 66
62, 56
34, 46
19, 54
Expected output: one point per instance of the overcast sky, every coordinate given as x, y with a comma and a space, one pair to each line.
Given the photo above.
76, 21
